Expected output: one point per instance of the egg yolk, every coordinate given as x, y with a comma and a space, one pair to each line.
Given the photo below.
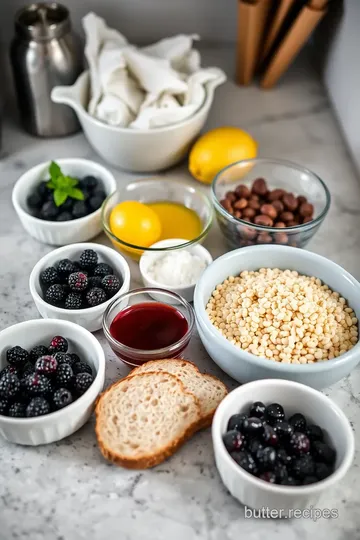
135, 223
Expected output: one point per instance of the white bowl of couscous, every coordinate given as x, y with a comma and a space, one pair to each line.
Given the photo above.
292, 314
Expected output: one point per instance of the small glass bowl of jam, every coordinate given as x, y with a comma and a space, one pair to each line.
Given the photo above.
139, 328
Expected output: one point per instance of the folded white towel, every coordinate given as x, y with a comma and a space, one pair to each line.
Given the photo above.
143, 88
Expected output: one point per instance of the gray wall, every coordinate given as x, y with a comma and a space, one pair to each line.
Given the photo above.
143, 21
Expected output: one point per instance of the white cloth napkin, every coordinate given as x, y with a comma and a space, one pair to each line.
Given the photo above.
143, 88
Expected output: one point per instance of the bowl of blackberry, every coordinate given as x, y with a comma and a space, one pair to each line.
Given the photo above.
77, 282
59, 202
283, 450
48, 383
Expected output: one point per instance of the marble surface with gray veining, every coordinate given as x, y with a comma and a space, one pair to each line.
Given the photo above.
66, 491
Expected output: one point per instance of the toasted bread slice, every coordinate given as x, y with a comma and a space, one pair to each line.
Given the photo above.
143, 419
207, 388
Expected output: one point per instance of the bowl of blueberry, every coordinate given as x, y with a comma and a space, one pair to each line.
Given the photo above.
51, 373
59, 202
77, 283
280, 444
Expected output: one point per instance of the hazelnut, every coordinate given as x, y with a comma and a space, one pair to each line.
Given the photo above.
226, 204
254, 197
241, 204
301, 199
269, 210
248, 233
279, 225
264, 238
286, 216
306, 210
237, 214
263, 220
281, 238
307, 219
243, 192
276, 194
230, 196
290, 202
293, 223
248, 213
259, 187
254, 204
278, 205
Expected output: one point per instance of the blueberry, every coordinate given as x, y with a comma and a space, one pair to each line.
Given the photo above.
323, 452
64, 216
236, 422
283, 430
269, 436
314, 432
49, 211
299, 443
95, 202
79, 210
233, 440
303, 466
298, 422
322, 471
252, 427
309, 480
274, 413
257, 409
89, 182
34, 201
266, 458
67, 206
245, 460
268, 476
43, 191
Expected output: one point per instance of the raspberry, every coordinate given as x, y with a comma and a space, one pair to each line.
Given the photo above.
37, 407
58, 344
62, 398
103, 270
88, 259
78, 281
9, 386
49, 276
17, 356
82, 382
82, 367
17, 410
46, 365
64, 376
95, 297
36, 384
55, 295
73, 301
111, 285
36, 352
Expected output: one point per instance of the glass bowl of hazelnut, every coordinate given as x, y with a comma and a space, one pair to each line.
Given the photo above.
269, 201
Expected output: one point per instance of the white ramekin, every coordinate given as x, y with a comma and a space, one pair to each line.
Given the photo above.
148, 257
90, 318
59, 233
57, 425
294, 397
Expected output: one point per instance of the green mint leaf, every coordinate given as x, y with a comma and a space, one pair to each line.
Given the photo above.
50, 184
54, 171
76, 193
60, 197
71, 182
61, 183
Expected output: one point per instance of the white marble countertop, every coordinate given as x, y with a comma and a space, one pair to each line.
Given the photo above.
66, 490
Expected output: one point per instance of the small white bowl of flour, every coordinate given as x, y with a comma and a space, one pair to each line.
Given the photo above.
175, 270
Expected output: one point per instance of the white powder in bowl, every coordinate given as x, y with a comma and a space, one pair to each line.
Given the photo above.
176, 268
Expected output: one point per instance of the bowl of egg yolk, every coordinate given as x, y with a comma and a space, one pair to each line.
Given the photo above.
146, 211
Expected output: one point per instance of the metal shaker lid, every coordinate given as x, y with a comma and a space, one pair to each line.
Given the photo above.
42, 21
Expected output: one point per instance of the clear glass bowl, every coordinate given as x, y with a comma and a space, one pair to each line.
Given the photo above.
149, 190
278, 174
136, 357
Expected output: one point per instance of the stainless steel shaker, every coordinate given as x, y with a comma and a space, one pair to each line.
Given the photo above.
45, 53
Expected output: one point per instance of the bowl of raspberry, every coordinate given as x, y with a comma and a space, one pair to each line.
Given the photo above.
51, 373
59, 202
77, 283
280, 445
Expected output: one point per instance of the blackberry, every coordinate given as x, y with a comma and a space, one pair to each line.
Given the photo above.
17, 410
83, 381
78, 281
89, 182
284, 457
29, 368
309, 480
46, 365
95, 297
103, 270
268, 476
298, 422
64, 216
64, 376
11, 369
270, 436
73, 301
66, 267
49, 211
34, 201
9, 386
81, 367
4, 406
79, 210
95, 281
17, 356
266, 458
299, 443
95, 202
62, 397
314, 432
75, 358
55, 294
111, 285
37, 407
36, 384
322, 452
254, 445
88, 259
284, 430
36, 352
303, 466
63, 358
58, 344
49, 276
321, 469
234, 440
246, 461
274, 413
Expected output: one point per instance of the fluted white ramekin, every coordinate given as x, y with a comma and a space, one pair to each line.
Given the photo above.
60, 233
56, 425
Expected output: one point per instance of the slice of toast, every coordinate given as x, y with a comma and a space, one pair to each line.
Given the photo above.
143, 419
207, 388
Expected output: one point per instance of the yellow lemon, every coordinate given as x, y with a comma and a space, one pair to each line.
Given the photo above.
218, 148
135, 223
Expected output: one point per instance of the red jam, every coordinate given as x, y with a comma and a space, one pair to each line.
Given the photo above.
149, 326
